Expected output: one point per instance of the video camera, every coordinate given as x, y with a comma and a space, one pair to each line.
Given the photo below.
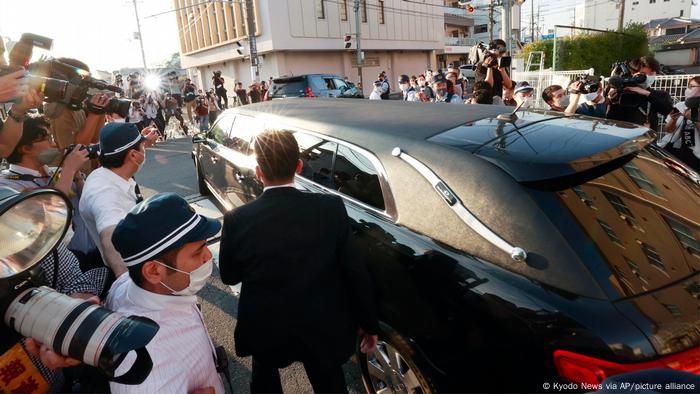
31, 225
620, 77
57, 81
591, 84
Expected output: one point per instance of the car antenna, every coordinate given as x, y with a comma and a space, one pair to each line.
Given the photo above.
511, 117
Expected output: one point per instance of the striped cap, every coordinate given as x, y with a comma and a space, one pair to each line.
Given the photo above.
157, 225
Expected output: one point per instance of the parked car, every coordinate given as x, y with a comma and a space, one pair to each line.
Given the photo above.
507, 251
313, 85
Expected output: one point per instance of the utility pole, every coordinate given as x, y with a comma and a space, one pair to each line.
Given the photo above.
621, 16
532, 21
138, 26
356, 8
506, 24
252, 45
490, 20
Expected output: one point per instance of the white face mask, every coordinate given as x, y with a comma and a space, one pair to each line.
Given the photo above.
118, 120
591, 96
650, 80
692, 92
564, 101
198, 278
143, 162
405, 86
526, 103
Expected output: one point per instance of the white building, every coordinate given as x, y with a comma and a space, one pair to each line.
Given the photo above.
306, 36
603, 15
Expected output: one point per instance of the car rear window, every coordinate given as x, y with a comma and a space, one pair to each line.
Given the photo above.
288, 86
636, 227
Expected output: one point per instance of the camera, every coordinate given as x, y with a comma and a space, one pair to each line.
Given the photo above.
115, 105
31, 225
93, 150
621, 76
590, 83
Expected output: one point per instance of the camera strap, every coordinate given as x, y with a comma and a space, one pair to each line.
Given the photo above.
15, 176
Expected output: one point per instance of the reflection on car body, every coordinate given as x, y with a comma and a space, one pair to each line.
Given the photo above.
610, 224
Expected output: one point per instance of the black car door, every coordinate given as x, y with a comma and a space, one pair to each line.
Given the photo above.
211, 166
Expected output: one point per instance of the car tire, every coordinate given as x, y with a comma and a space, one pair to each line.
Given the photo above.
202, 186
408, 372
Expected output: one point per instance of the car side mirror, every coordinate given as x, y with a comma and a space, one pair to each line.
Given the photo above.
198, 139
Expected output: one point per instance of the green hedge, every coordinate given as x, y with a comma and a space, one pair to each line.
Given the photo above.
599, 50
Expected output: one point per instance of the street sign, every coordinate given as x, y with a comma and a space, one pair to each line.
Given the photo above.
348, 41
547, 36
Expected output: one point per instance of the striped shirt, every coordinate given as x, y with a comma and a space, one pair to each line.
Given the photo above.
182, 352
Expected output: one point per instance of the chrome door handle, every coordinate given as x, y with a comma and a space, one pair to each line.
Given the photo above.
239, 177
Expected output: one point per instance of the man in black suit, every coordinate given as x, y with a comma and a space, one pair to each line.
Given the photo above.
306, 296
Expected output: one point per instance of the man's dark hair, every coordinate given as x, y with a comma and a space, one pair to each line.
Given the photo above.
548, 93
497, 42
116, 161
168, 258
483, 96
480, 85
34, 129
277, 154
645, 62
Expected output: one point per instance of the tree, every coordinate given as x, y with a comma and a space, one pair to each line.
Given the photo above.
597, 50
173, 61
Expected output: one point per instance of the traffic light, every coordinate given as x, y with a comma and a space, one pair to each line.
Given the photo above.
240, 48
348, 41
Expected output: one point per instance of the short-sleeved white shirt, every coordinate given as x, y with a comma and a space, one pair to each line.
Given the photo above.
106, 199
182, 351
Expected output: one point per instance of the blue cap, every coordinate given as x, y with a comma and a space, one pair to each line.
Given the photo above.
157, 225
117, 137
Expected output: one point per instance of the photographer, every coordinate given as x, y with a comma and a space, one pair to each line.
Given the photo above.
219, 89
110, 191
202, 111
11, 129
594, 105
558, 100
638, 103
490, 70
172, 108
681, 135
190, 92
137, 115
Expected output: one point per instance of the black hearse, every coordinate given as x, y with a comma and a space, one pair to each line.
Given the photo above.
508, 251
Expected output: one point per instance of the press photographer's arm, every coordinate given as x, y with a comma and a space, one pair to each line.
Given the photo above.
11, 130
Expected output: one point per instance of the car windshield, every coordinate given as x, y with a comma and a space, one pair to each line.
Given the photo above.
636, 227
288, 87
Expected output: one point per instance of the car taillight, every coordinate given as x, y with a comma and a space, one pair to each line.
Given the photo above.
309, 93
578, 368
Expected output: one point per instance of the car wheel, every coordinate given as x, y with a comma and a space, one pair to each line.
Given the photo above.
395, 367
203, 188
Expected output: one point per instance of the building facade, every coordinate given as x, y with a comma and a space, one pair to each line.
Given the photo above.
306, 36
594, 14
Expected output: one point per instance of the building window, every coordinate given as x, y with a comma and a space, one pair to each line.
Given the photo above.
637, 3
673, 309
635, 269
320, 9
640, 179
608, 230
681, 13
583, 196
481, 29
693, 288
684, 235
653, 257
344, 10
363, 10
652, 1
381, 12
620, 207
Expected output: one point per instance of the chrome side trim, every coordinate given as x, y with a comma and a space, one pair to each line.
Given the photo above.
515, 252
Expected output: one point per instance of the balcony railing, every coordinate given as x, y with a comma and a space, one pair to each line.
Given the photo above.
460, 41
456, 12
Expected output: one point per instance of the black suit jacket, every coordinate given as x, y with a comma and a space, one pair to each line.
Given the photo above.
304, 288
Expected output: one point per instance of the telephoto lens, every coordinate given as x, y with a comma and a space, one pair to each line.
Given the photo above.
84, 331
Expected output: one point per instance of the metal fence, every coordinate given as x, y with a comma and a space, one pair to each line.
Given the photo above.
675, 85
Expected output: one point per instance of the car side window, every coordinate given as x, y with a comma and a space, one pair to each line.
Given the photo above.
340, 84
329, 83
317, 83
356, 176
242, 133
317, 157
221, 129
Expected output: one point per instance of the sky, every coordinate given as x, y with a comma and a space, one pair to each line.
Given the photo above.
98, 32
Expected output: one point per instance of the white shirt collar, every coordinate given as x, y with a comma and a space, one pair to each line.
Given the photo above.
157, 302
125, 185
18, 169
291, 184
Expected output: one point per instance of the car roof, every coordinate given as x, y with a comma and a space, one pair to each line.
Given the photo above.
360, 120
